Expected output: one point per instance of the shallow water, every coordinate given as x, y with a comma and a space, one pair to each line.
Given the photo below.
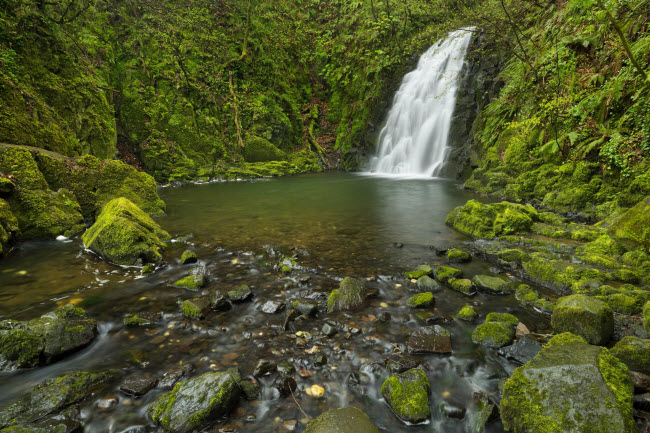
336, 225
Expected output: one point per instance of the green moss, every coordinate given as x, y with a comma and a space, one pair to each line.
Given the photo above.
646, 317
444, 273
513, 255
193, 308
502, 317
494, 334
19, 346
191, 282
491, 220
124, 234
457, 256
467, 313
188, 256
561, 275
408, 395
633, 352
258, 149
421, 300
622, 303
462, 285
530, 298
420, 272
349, 295
8, 227
585, 316
632, 229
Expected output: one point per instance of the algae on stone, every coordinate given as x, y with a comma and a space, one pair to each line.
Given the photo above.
349, 295
423, 270
408, 395
421, 300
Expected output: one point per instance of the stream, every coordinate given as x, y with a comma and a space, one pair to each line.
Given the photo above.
336, 225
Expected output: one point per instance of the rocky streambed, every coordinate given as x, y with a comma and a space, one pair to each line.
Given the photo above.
419, 335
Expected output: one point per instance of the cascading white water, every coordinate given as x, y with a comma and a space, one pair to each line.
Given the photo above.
414, 140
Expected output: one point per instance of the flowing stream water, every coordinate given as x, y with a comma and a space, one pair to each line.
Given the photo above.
413, 141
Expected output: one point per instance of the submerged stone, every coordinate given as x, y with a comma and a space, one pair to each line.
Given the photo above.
195, 403
347, 420
142, 319
407, 394
570, 386
219, 302
305, 306
349, 295
125, 235
634, 352
425, 282
138, 385
584, 316
429, 339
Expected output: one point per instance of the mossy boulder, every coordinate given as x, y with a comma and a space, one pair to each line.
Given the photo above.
191, 282
490, 220
497, 331
258, 149
528, 297
569, 386
195, 308
46, 339
407, 394
634, 352
494, 285
584, 316
8, 227
349, 295
513, 255
347, 420
561, 275
467, 313
462, 285
444, 273
188, 257
632, 229
455, 255
421, 271
45, 214
421, 300
124, 234
624, 303
54, 395
195, 403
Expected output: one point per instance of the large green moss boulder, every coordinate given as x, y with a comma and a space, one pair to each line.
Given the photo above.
54, 395
570, 386
46, 339
125, 235
489, 220
408, 395
196, 402
585, 316
347, 420
634, 352
258, 149
349, 295
497, 331
632, 229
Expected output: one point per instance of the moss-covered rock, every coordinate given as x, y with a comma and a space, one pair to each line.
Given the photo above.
490, 220
634, 352
258, 149
467, 313
191, 282
494, 334
349, 295
494, 285
584, 316
408, 395
548, 394
632, 229
8, 227
421, 271
462, 285
195, 308
455, 255
241, 293
425, 282
347, 420
188, 257
563, 276
421, 300
444, 273
19, 345
528, 297
646, 317
125, 235
196, 402
513, 255
624, 303
144, 319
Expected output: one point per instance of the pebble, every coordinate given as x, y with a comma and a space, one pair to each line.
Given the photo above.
315, 391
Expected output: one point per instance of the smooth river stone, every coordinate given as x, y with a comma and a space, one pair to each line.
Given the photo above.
429, 339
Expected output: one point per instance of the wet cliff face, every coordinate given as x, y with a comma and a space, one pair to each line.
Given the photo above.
479, 83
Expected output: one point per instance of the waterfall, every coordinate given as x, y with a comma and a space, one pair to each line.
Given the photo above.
414, 140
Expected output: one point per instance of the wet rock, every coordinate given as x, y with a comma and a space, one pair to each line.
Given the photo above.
455, 255
584, 316
347, 420
633, 227
196, 308
350, 295
641, 402
55, 394
65, 422
188, 257
529, 298
444, 273
407, 394
569, 386
400, 364
467, 313
107, 403
421, 271
240, 294
421, 300
494, 285
328, 330
288, 426
286, 385
432, 317
497, 331
196, 402
429, 339
462, 285
264, 368
634, 352
485, 411
290, 316
272, 307
286, 368
522, 351
143, 319
219, 302
641, 382
305, 306
320, 360
138, 385
452, 411
521, 330
174, 374
251, 389
125, 235
427, 283
192, 282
